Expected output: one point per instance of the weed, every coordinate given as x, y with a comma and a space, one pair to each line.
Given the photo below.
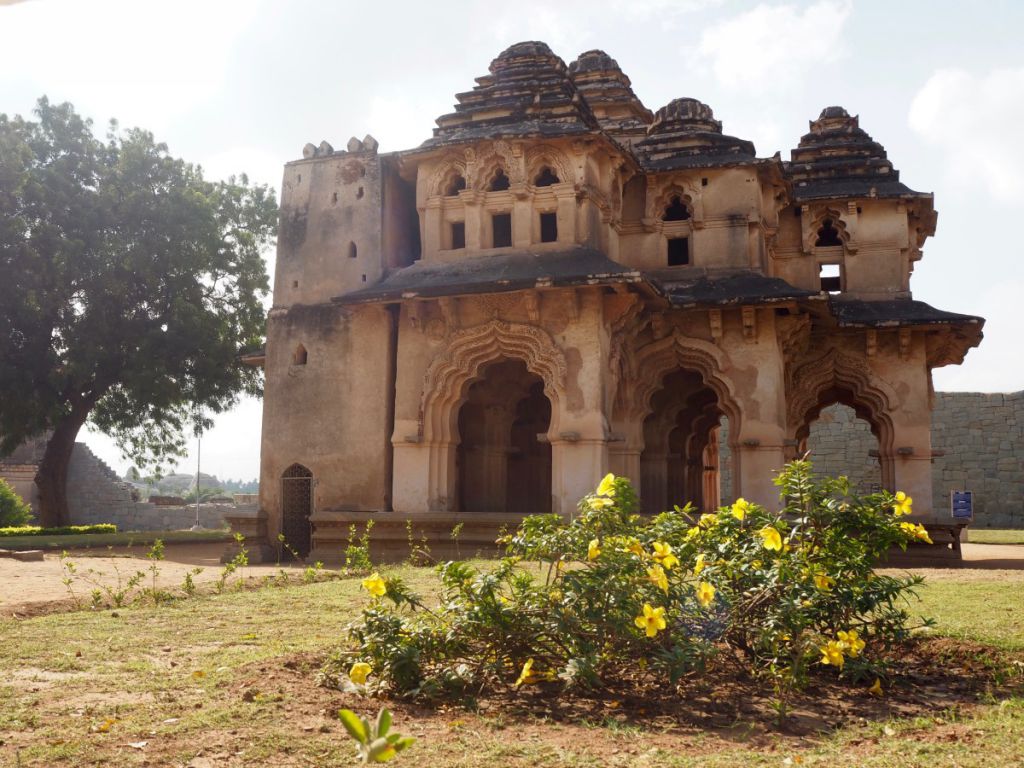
357, 553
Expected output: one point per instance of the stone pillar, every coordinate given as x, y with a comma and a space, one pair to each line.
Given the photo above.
577, 465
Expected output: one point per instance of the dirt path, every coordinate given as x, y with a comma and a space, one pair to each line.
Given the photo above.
27, 587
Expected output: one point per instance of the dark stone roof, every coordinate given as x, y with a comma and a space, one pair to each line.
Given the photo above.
527, 93
497, 273
610, 96
685, 134
854, 313
735, 288
838, 159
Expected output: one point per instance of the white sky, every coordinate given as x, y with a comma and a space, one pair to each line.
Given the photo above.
241, 85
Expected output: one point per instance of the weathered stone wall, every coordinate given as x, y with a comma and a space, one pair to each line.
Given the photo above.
840, 444
983, 438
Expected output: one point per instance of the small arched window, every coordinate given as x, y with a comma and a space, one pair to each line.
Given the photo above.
676, 210
352, 253
299, 356
828, 235
546, 178
499, 182
456, 185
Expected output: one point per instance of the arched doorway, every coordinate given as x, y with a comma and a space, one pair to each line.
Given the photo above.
842, 440
296, 508
680, 460
503, 457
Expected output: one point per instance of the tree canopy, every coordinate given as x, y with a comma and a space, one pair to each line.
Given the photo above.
129, 284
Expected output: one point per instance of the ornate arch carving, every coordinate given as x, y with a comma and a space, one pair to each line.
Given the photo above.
443, 174
490, 158
833, 369
815, 221
467, 352
646, 369
554, 158
658, 199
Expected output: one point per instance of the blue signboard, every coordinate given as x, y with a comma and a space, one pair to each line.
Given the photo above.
962, 503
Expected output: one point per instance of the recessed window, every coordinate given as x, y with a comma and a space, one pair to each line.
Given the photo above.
546, 178
676, 210
352, 253
828, 235
299, 356
499, 182
501, 230
359, 194
295, 283
334, 198
458, 234
455, 186
704, 181
549, 227
831, 276
678, 251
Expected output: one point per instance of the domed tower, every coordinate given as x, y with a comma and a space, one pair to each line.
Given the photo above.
684, 133
860, 225
609, 94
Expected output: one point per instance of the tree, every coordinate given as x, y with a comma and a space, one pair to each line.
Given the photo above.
129, 285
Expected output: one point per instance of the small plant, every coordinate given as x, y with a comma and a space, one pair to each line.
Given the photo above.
419, 549
312, 572
188, 586
456, 532
69, 571
240, 560
374, 743
155, 555
284, 545
357, 553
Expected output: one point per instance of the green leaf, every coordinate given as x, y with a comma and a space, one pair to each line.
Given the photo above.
383, 722
354, 725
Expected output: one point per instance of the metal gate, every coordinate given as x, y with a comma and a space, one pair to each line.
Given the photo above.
296, 508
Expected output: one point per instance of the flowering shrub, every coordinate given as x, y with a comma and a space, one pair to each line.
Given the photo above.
619, 595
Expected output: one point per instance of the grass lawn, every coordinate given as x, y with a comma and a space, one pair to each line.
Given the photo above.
995, 536
229, 680
123, 538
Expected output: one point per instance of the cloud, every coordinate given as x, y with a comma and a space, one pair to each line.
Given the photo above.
771, 45
142, 63
970, 119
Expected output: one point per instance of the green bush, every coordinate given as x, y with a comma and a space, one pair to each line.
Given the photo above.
620, 597
64, 530
13, 510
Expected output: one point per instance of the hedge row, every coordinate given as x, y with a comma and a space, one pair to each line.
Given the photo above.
64, 530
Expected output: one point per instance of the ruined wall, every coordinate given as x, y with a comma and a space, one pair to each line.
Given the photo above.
982, 435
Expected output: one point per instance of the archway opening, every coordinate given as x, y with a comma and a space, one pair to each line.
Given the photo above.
503, 456
296, 508
843, 439
681, 460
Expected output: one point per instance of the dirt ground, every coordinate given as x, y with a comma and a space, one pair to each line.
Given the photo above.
28, 587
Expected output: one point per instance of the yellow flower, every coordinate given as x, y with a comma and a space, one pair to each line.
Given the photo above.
657, 576
851, 643
593, 549
708, 520
652, 620
375, 585
876, 689
527, 676
823, 582
600, 502
634, 546
901, 504
663, 555
607, 486
693, 533
699, 564
359, 672
705, 594
740, 508
832, 653
916, 531
771, 538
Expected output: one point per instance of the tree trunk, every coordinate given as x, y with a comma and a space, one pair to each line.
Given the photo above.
52, 477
